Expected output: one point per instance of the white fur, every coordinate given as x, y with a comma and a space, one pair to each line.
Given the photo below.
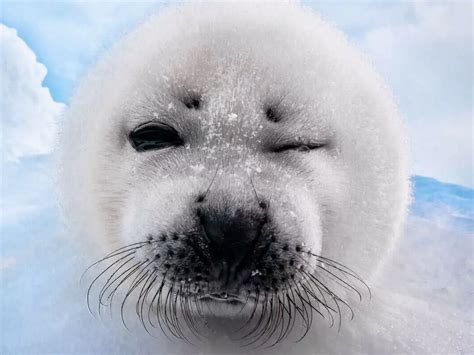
349, 201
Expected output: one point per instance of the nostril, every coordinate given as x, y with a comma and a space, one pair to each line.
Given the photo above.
263, 205
200, 198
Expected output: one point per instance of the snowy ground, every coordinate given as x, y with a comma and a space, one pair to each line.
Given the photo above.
42, 310
431, 276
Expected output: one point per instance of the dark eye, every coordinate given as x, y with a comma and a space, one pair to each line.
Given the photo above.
301, 147
154, 135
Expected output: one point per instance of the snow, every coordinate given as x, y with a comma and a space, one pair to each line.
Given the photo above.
422, 300
428, 285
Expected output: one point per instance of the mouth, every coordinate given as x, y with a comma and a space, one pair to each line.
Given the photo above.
223, 306
273, 298
223, 298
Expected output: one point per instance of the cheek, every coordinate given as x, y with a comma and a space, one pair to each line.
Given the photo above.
296, 214
308, 213
157, 207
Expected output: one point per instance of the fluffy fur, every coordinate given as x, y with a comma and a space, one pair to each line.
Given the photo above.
343, 203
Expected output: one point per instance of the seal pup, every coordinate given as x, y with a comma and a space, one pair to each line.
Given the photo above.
237, 170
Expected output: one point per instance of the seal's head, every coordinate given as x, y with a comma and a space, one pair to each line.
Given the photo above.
239, 159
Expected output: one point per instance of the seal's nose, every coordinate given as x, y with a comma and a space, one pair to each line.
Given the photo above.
231, 234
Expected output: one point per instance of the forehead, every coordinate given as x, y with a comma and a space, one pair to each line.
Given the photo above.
210, 53
233, 60
214, 64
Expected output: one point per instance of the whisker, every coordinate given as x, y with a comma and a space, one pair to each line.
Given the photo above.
166, 299
99, 276
116, 252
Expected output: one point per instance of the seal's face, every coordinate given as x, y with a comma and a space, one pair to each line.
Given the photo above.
220, 175
237, 164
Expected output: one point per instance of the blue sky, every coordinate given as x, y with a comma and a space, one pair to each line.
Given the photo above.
423, 50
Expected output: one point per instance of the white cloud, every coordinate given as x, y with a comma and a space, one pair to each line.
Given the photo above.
68, 36
427, 61
28, 111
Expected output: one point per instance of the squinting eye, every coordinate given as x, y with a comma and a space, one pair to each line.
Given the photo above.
298, 147
154, 135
